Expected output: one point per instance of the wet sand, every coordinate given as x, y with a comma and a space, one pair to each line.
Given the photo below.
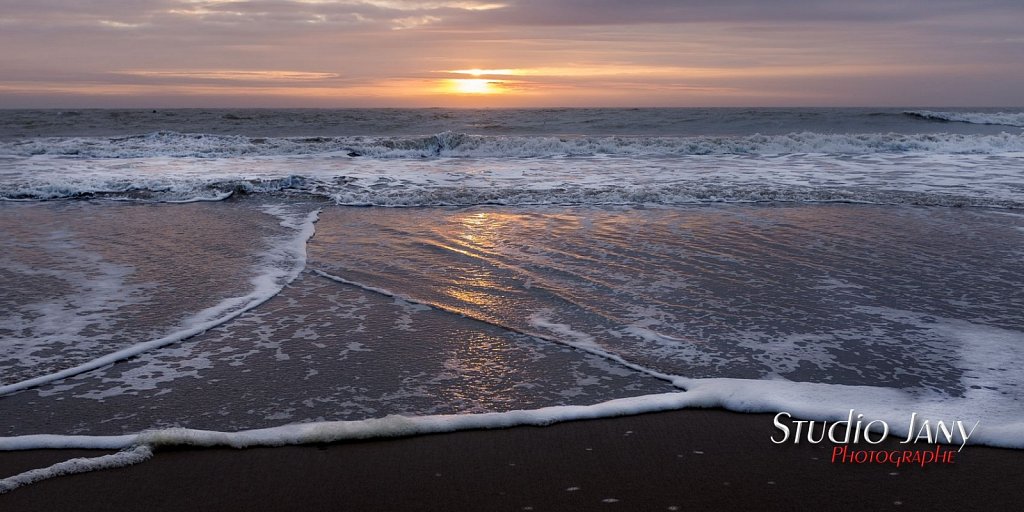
689, 460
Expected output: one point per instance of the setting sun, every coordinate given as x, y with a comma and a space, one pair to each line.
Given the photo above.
475, 86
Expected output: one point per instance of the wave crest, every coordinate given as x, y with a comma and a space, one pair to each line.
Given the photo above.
347, 191
997, 118
452, 144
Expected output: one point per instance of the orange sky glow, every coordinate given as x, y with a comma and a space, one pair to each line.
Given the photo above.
514, 53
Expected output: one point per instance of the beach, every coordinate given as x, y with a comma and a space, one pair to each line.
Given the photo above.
683, 460
423, 314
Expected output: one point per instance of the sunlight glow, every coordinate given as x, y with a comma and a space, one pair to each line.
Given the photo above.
475, 86
482, 72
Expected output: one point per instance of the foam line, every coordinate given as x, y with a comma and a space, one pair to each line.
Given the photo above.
227, 310
81, 465
325, 432
583, 345
138, 448
219, 197
815, 401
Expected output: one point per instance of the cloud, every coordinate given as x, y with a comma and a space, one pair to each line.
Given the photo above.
615, 12
505, 12
234, 75
675, 72
349, 50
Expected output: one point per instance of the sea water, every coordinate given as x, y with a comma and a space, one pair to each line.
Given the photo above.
249, 277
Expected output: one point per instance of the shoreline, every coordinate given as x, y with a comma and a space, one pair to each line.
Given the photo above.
688, 459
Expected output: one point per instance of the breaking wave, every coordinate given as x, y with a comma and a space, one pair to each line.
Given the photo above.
349, 191
451, 144
998, 118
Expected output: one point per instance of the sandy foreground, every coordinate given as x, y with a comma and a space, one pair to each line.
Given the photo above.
681, 460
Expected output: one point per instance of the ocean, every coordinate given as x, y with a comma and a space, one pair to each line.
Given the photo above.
262, 277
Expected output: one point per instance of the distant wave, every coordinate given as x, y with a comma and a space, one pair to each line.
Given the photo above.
451, 144
999, 118
348, 191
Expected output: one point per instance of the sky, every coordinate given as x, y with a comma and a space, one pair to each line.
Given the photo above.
510, 53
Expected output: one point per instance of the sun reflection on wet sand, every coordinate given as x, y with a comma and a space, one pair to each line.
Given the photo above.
489, 371
474, 235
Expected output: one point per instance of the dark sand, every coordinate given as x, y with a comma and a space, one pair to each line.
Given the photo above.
691, 460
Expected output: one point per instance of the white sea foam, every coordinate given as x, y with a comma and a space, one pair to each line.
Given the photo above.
926, 179
831, 402
997, 118
805, 400
282, 264
128, 457
96, 287
449, 144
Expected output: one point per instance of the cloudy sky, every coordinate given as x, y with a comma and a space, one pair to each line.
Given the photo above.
351, 53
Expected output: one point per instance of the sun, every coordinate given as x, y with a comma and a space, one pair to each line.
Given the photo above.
475, 86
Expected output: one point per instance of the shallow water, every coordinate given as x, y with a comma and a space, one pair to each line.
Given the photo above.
489, 309
163, 269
